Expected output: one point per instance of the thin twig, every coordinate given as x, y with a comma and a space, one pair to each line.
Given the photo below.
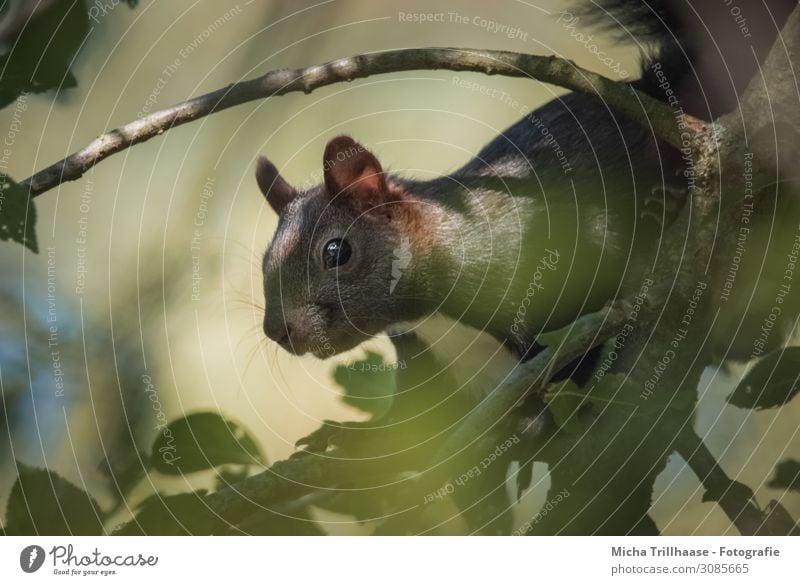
642, 108
736, 499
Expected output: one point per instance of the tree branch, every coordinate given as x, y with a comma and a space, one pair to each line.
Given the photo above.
736, 499
586, 333
647, 111
284, 480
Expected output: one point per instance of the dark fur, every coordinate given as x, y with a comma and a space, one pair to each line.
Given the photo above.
478, 235
710, 51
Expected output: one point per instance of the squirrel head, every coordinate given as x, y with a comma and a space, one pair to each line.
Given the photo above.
339, 268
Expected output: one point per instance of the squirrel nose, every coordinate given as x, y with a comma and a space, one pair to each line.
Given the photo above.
278, 330
288, 329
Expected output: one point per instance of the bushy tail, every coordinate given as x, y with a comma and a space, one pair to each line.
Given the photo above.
707, 50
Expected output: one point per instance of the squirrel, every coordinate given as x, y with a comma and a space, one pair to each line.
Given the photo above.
522, 239
518, 240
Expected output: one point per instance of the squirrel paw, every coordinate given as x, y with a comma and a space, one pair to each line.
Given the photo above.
663, 203
331, 434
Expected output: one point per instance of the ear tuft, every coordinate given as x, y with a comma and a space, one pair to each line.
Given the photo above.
277, 191
352, 172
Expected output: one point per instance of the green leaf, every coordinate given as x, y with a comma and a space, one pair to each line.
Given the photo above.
202, 441
43, 503
284, 520
17, 214
43, 49
368, 384
558, 337
772, 382
173, 516
123, 470
189, 514
564, 399
787, 476
617, 391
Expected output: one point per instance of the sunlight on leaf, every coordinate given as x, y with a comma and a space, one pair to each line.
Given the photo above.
202, 441
368, 384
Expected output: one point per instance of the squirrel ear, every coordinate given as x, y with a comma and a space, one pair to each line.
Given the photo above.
277, 191
353, 171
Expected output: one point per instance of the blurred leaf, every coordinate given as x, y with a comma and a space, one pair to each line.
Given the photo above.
293, 521
772, 382
17, 214
787, 476
202, 441
42, 503
43, 49
336, 434
558, 337
617, 391
368, 384
123, 470
564, 399
230, 476
183, 514
622, 435
479, 486
373, 503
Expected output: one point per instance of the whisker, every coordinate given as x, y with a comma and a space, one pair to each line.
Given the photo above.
255, 257
253, 354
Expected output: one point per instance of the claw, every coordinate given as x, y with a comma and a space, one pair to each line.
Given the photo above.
667, 199
331, 434
656, 217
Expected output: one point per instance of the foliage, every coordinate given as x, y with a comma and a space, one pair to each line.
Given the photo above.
383, 459
396, 472
368, 384
771, 383
38, 59
41, 57
42, 502
202, 441
787, 476
17, 214
43, 54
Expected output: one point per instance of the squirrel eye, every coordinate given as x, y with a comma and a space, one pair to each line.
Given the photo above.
335, 253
